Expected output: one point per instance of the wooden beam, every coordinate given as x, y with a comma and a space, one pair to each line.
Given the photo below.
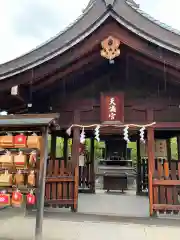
158, 65
60, 74
165, 207
166, 182
75, 103
167, 125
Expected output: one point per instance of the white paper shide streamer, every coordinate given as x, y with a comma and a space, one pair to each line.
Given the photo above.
142, 134
68, 131
97, 133
126, 135
82, 136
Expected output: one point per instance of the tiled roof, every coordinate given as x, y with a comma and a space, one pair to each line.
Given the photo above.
146, 15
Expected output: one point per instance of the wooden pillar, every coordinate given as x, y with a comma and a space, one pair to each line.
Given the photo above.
168, 144
151, 166
138, 178
125, 149
65, 149
75, 157
53, 145
41, 187
178, 147
92, 165
76, 140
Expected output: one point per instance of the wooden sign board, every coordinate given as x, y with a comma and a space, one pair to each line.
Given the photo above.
160, 149
112, 108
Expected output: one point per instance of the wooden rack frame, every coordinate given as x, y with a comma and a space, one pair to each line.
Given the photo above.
42, 123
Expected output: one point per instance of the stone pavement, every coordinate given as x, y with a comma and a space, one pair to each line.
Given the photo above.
18, 227
114, 203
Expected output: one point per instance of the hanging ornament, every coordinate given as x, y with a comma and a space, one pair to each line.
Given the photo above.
126, 137
19, 178
30, 198
110, 48
17, 198
68, 131
4, 199
31, 178
82, 136
20, 141
142, 134
33, 158
97, 133
14, 90
29, 105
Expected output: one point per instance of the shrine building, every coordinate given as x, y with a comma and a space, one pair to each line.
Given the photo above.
113, 76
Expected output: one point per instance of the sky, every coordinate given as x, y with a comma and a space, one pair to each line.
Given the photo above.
25, 24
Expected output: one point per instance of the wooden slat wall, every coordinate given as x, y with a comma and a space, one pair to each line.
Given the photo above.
166, 187
61, 185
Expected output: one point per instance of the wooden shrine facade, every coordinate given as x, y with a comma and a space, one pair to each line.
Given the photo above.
108, 55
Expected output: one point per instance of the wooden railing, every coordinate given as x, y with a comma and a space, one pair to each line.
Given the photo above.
61, 185
166, 187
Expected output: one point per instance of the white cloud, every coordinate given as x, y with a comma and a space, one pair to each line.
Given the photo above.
165, 11
27, 23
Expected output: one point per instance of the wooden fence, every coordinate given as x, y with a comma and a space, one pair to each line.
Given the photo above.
61, 185
166, 187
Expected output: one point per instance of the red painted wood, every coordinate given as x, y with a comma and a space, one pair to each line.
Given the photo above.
118, 98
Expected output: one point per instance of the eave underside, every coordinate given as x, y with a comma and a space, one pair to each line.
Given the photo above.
59, 66
89, 73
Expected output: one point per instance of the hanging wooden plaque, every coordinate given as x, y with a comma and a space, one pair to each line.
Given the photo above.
4, 200
112, 108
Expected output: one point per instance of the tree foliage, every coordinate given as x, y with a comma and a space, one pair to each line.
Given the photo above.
99, 145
